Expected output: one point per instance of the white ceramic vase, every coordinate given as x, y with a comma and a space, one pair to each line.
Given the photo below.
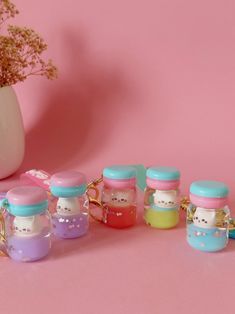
12, 137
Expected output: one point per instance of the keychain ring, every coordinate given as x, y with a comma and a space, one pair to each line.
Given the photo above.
95, 200
93, 186
99, 205
2, 234
2, 222
184, 203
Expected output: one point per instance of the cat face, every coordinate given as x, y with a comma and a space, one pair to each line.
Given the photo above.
120, 198
165, 199
204, 218
26, 226
68, 206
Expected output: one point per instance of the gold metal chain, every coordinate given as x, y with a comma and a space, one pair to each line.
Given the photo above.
93, 186
184, 203
2, 234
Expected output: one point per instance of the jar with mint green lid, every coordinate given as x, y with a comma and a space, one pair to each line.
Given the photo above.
119, 196
71, 218
208, 216
27, 223
161, 199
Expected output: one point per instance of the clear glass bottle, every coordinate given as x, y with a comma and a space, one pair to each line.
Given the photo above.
71, 219
27, 223
208, 216
161, 200
119, 196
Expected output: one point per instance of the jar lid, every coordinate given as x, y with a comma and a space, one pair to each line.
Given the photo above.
119, 172
163, 173
68, 184
210, 189
26, 201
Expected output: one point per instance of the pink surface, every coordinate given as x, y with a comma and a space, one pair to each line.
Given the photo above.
208, 202
26, 195
140, 82
162, 185
68, 178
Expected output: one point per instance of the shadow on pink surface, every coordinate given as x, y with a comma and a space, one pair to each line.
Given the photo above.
77, 111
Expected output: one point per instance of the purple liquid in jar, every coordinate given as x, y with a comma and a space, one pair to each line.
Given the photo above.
69, 227
29, 248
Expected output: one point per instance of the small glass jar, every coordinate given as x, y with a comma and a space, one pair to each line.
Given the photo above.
71, 219
119, 196
208, 216
161, 200
27, 224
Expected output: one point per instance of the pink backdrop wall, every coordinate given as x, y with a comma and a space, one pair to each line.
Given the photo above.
140, 82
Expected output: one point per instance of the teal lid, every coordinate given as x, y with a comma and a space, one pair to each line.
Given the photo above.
209, 189
60, 191
26, 201
163, 173
25, 210
68, 183
119, 172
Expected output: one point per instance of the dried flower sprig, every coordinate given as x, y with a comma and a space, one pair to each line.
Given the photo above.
7, 10
20, 51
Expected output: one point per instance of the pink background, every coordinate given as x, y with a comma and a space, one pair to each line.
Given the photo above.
147, 82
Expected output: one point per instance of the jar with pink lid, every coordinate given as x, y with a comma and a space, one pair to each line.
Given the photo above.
71, 219
161, 200
119, 196
27, 223
208, 216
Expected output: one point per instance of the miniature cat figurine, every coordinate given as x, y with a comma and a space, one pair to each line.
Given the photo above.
26, 226
204, 218
68, 206
120, 199
166, 199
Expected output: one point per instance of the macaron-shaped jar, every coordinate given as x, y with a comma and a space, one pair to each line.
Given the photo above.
119, 196
161, 200
27, 223
70, 219
208, 216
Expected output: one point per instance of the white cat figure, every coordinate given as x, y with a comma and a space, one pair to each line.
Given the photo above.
120, 199
204, 218
68, 206
166, 199
26, 226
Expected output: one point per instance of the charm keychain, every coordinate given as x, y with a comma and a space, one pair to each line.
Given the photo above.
118, 196
161, 199
26, 223
71, 219
208, 216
